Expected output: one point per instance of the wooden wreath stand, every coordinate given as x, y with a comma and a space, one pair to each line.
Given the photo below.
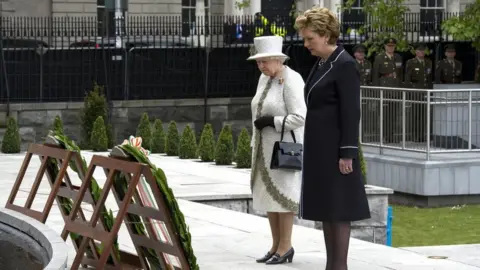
75, 221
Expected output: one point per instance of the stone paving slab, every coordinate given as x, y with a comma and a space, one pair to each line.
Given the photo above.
226, 239
467, 254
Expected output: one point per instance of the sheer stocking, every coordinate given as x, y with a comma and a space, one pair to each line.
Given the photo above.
337, 241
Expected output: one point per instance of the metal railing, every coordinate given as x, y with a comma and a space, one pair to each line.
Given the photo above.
429, 121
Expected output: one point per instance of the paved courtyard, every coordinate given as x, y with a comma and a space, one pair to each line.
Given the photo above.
225, 239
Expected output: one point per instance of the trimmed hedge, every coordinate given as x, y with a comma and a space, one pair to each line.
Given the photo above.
363, 164
188, 144
243, 155
94, 105
144, 130
98, 139
158, 140
58, 125
224, 149
11, 139
172, 140
206, 148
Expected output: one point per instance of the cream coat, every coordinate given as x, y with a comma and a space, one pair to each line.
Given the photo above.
276, 190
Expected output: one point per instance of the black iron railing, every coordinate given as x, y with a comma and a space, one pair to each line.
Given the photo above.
59, 58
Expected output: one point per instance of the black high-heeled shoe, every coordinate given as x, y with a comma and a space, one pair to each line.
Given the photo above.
277, 259
266, 257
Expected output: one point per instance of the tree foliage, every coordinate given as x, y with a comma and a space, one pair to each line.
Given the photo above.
363, 163
467, 26
206, 148
95, 105
11, 139
385, 19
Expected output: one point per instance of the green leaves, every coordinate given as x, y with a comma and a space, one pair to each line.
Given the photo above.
11, 139
465, 27
243, 155
385, 19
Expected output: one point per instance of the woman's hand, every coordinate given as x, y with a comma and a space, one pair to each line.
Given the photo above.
345, 165
264, 121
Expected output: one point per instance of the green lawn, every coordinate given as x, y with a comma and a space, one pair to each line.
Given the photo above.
435, 226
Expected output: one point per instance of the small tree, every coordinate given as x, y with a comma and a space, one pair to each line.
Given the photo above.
188, 144
363, 163
98, 139
158, 140
465, 27
11, 139
172, 141
111, 141
144, 130
243, 155
206, 149
58, 125
94, 105
386, 19
224, 149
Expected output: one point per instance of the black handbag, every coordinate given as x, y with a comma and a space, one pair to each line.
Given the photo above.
287, 155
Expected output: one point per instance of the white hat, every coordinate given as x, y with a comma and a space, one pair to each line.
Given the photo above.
267, 46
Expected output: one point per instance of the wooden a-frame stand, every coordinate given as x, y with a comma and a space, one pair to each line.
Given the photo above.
133, 171
62, 188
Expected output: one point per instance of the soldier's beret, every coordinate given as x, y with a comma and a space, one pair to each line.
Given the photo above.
420, 47
390, 41
359, 48
450, 47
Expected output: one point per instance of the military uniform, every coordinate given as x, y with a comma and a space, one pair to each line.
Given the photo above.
388, 71
449, 71
418, 75
370, 108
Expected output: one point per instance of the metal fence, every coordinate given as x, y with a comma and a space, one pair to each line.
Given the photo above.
432, 122
59, 58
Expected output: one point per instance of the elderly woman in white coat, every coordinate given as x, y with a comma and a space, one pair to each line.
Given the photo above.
276, 191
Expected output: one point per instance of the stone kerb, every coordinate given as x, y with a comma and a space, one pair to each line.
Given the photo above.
54, 249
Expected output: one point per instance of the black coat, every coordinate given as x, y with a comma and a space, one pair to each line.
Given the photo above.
332, 95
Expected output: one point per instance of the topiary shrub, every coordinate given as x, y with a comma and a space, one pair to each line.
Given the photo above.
144, 130
172, 140
224, 148
11, 139
243, 155
188, 144
158, 137
206, 148
111, 141
58, 125
98, 139
363, 163
94, 105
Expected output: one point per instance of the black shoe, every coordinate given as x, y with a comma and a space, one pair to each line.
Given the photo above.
277, 259
265, 258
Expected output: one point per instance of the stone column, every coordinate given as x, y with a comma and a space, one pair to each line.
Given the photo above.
335, 5
452, 6
230, 8
255, 6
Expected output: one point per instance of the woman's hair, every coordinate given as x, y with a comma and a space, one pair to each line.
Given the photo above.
321, 21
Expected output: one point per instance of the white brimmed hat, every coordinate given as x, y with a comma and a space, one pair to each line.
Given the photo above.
267, 46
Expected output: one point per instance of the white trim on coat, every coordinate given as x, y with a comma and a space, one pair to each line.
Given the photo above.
321, 78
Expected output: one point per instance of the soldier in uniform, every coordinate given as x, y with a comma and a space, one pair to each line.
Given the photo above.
388, 71
363, 65
369, 107
418, 75
449, 70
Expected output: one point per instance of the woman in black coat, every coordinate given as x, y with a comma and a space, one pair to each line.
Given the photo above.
332, 187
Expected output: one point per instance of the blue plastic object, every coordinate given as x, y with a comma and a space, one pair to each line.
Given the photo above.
389, 226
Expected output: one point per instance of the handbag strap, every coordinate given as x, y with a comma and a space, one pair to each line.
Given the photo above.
283, 130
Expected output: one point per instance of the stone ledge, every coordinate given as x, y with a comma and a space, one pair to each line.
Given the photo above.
54, 245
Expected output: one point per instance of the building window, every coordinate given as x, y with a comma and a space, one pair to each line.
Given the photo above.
105, 20
431, 16
353, 18
190, 25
